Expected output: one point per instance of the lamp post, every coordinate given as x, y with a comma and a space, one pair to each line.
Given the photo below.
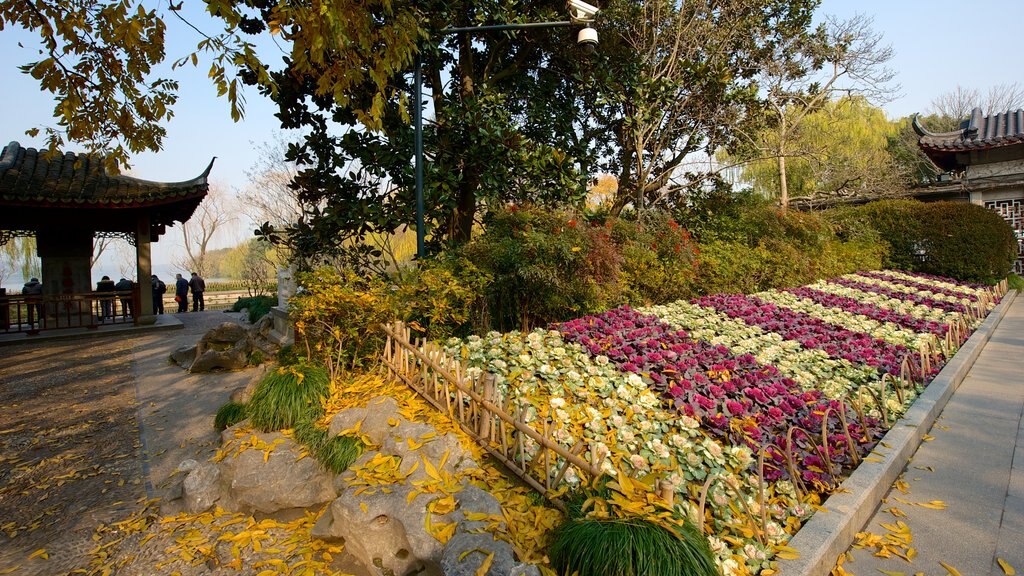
580, 12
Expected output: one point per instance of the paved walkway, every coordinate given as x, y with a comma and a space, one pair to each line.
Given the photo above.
974, 465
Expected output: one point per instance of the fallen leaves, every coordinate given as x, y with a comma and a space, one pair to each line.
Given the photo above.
1007, 569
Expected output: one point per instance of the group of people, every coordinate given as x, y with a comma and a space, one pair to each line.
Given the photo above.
182, 288
196, 285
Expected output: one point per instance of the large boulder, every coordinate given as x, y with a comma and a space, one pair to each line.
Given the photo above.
184, 356
466, 552
375, 420
225, 347
385, 530
202, 488
274, 475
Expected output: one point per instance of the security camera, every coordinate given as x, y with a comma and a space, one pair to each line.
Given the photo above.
581, 12
587, 40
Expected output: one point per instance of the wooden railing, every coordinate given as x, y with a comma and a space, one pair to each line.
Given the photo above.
497, 424
34, 314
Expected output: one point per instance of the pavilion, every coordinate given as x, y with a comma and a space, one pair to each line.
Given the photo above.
67, 200
983, 163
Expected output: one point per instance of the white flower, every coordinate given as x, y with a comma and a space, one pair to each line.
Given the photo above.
557, 402
601, 360
638, 462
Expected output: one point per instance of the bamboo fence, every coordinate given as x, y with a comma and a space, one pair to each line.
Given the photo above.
497, 423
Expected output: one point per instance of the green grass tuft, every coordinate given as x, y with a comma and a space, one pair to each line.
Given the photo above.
287, 356
1015, 282
283, 399
258, 306
334, 454
256, 358
629, 547
228, 415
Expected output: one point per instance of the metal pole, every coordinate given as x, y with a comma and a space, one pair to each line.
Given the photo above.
499, 27
418, 110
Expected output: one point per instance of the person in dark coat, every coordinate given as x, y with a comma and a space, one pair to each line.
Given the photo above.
198, 286
159, 289
125, 285
181, 293
33, 289
106, 285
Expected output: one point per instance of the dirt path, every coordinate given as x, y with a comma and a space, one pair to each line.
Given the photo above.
88, 430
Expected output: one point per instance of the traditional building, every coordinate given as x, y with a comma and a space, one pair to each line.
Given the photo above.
983, 163
67, 200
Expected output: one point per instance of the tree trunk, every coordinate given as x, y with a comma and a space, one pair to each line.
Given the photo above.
783, 190
465, 210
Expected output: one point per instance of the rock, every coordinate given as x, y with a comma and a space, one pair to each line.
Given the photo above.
374, 419
465, 552
524, 570
244, 394
225, 335
184, 356
279, 480
202, 488
231, 432
226, 347
187, 465
263, 325
386, 532
473, 500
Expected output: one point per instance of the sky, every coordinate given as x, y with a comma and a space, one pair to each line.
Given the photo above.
938, 45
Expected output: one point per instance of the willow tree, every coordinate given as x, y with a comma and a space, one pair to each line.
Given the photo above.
801, 76
843, 149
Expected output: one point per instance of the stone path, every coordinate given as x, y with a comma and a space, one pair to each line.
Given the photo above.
973, 465
92, 428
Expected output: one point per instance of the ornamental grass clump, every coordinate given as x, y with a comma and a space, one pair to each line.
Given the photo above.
600, 539
228, 415
288, 396
334, 454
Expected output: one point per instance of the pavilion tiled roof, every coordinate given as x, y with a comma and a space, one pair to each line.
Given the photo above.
29, 178
979, 132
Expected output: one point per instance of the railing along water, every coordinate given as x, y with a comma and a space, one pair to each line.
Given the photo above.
31, 314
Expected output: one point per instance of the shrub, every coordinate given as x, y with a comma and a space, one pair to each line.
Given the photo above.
338, 317
288, 396
1015, 282
258, 306
256, 358
659, 258
228, 415
955, 239
895, 222
445, 296
966, 241
537, 260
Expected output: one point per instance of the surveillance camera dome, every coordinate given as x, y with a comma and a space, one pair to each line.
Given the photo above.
587, 40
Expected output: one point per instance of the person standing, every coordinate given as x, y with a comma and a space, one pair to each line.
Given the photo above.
106, 300
33, 289
159, 289
125, 285
198, 286
181, 293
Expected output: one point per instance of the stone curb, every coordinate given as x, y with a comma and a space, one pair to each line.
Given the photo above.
828, 534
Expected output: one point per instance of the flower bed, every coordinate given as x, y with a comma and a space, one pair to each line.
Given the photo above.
750, 408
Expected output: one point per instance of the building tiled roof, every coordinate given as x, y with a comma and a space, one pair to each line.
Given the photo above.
29, 178
977, 133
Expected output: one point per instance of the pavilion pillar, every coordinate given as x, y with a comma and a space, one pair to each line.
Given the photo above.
66, 258
144, 267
